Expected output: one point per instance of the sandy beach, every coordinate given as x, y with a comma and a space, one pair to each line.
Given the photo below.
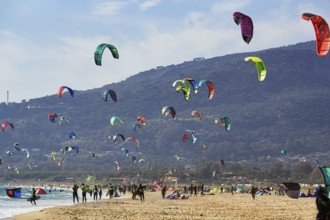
219, 206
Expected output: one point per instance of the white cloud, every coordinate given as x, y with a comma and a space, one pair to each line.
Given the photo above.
225, 6
109, 8
148, 4
193, 18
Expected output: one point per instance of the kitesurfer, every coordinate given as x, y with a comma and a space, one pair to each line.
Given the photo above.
322, 204
95, 192
75, 193
84, 191
33, 197
100, 193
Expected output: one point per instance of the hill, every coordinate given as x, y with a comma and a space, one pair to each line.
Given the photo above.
288, 110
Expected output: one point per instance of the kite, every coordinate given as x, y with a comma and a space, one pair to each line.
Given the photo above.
14, 193
115, 137
224, 122
114, 118
193, 113
54, 154
16, 146
9, 153
89, 178
133, 139
125, 151
60, 161
135, 126
109, 92
246, 25
192, 83
260, 65
99, 52
72, 135
141, 119
69, 149
177, 157
27, 153
16, 170
193, 135
179, 81
4, 125
325, 170
52, 117
117, 165
168, 110
185, 137
40, 191
63, 119
133, 159
60, 91
292, 190
321, 31
185, 90
210, 87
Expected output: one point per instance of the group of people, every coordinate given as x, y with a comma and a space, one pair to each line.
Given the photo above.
112, 191
138, 191
192, 189
322, 200
96, 192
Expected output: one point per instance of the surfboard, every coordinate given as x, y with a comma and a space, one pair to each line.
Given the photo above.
29, 199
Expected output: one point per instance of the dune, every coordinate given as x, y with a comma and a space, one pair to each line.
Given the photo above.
219, 206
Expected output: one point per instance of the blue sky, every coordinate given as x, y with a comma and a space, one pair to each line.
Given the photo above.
45, 44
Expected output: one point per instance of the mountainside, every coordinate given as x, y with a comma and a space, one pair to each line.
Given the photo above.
288, 110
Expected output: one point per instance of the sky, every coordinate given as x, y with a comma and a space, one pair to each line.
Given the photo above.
48, 44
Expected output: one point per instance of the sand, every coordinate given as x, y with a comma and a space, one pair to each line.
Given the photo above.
219, 206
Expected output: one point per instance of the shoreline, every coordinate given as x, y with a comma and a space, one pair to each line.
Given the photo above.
218, 206
56, 196
40, 209
35, 214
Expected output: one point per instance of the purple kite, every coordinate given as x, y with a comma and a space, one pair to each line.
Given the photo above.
246, 25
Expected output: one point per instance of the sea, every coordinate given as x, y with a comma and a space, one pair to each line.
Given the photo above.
10, 207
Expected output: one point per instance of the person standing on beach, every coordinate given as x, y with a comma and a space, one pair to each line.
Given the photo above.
110, 190
84, 191
95, 192
254, 190
140, 191
164, 192
322, 204
90, 190
232, 189
100, 193
33, 197
75, 193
